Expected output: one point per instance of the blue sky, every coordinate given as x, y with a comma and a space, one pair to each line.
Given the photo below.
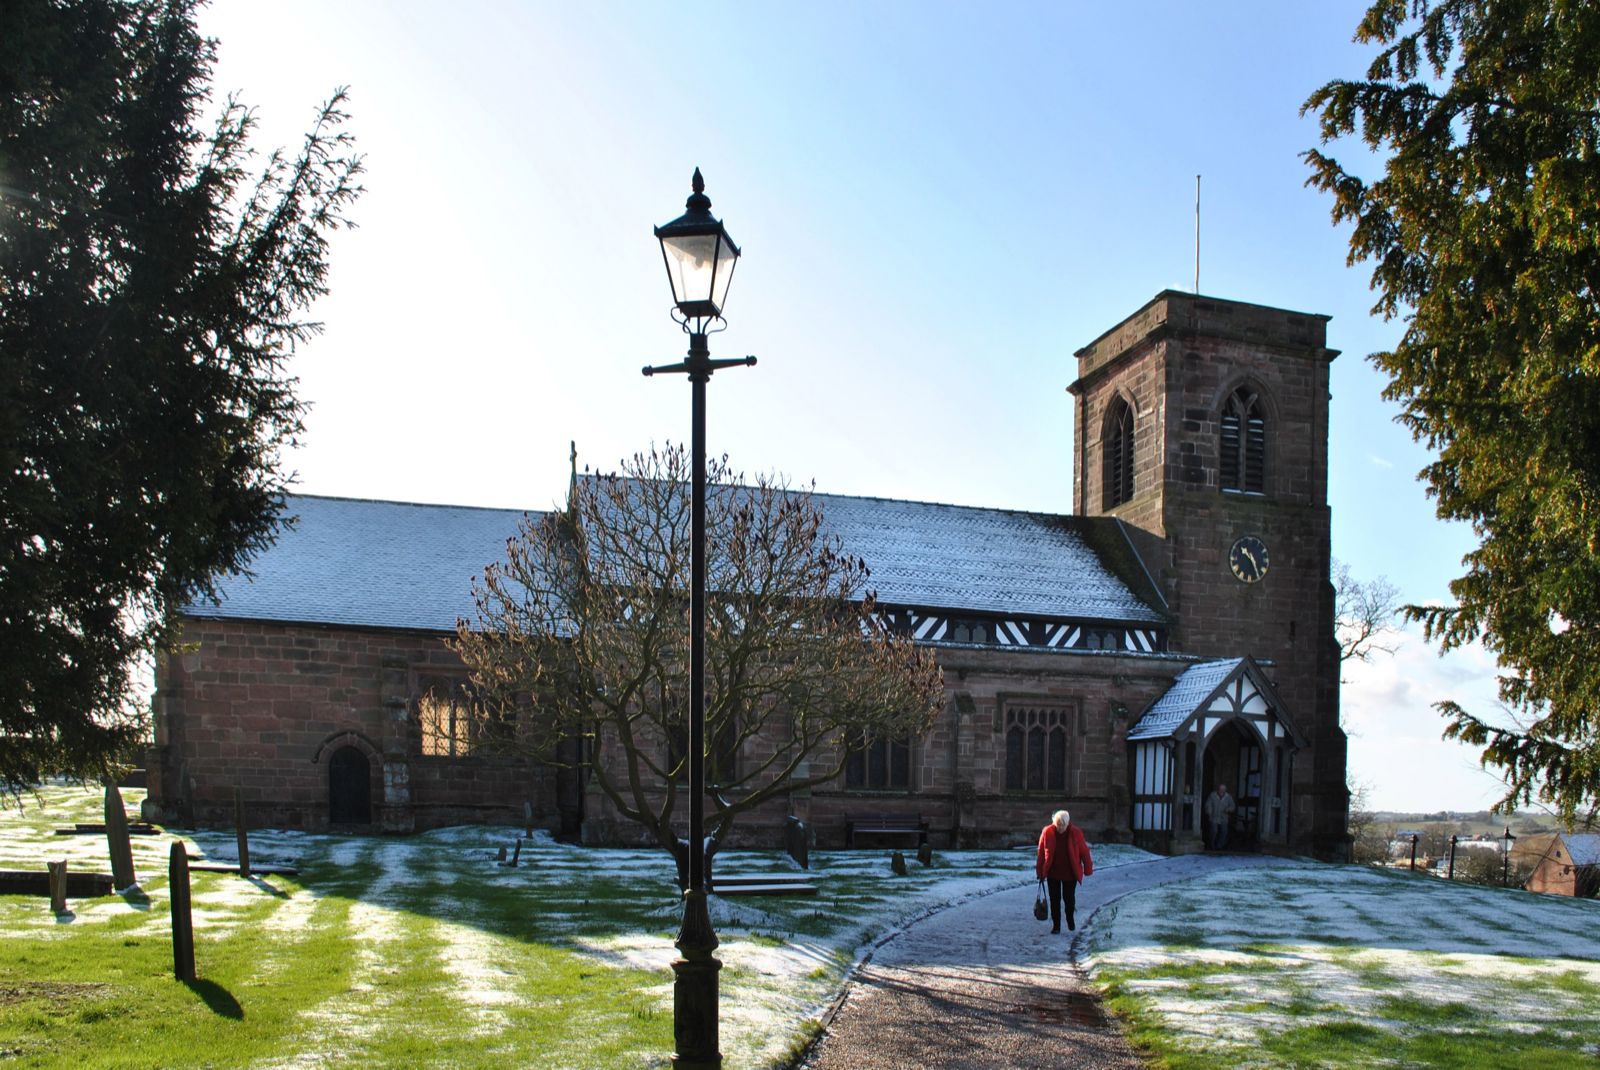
937, 204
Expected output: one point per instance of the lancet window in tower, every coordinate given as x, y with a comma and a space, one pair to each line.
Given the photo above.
1244, 443
1118, 454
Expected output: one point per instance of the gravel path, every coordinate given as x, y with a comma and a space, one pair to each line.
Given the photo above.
982, 985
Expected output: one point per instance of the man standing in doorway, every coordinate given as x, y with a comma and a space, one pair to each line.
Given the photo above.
1219, 812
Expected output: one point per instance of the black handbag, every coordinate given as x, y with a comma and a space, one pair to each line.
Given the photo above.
1041, 909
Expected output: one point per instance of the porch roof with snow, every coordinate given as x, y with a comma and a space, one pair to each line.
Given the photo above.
400, 565
1216, 689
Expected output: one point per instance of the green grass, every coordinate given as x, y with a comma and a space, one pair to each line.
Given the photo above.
419, 951
1418, 973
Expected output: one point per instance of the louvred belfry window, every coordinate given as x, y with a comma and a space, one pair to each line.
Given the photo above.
1243, 464
1119, 454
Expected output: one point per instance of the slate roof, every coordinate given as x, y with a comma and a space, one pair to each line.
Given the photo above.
1185, 695
400, 565
985, 560
1583, 848
369, 563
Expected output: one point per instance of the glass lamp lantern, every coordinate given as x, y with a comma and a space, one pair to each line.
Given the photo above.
699, 257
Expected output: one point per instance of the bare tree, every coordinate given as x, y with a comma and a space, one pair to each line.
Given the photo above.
582, 633
1364, 614
1369, 840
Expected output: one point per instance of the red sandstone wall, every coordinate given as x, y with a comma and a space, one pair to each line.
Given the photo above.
263, 706
960, 764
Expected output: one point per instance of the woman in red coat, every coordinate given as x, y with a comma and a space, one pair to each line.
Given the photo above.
1063, 862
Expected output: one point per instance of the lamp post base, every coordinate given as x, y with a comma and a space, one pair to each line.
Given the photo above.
694, 988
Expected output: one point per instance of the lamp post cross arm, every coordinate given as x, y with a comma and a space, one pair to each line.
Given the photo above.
691, 368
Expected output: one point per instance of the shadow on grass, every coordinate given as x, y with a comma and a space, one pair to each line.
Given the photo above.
135, 897
219, 999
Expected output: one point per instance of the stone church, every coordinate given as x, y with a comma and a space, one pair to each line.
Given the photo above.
1174, 632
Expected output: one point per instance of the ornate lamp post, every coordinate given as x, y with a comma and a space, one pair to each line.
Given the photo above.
700, 259
1505, 858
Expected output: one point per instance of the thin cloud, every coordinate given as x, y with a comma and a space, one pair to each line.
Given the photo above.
1396, 748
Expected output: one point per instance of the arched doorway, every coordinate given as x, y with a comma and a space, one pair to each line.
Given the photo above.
349, 788
1234, 757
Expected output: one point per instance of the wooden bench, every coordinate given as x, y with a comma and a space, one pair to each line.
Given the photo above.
885, 825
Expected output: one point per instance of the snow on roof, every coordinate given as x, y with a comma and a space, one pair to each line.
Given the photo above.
985, 560
1183, 698
369, 563
1584, 848
401, 565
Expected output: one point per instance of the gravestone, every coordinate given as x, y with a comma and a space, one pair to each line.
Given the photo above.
925, 854
58, 886
501, 857
897, 862
516, 855
244, 837
122, 875
527, 817
182, 914
797, 841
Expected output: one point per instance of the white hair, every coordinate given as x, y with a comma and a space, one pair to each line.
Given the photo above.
1061, 819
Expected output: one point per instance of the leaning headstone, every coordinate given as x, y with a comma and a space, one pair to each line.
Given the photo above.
897, 862
122, 875
516, 855
182, 916
925, 854
244, 837
58, 886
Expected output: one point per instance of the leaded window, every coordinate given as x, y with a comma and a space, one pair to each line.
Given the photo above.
1036, 748
722, 750
1243, 463
879, 765
452, 722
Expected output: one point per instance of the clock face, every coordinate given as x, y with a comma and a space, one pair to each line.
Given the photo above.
1248, 559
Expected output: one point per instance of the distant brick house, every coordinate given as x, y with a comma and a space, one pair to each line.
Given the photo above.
1570, 865
1175, 630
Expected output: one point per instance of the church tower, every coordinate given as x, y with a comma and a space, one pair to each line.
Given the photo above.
1203, 425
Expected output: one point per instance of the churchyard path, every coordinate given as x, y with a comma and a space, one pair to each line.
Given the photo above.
983, 986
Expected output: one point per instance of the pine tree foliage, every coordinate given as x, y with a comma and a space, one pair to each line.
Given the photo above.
1484, 233
154, 276
582, 633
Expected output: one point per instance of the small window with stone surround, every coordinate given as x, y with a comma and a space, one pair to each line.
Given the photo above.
1036, 739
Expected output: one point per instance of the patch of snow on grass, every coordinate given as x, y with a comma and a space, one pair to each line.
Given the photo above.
1341, 944
481, 983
